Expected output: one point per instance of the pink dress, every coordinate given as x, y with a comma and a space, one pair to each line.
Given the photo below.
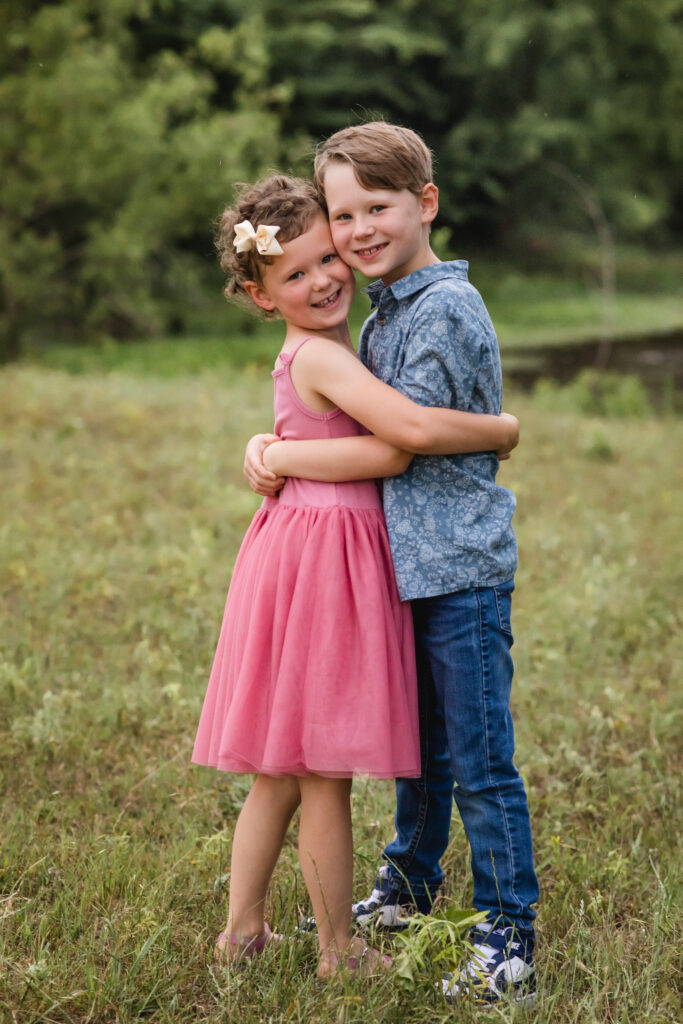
315, 667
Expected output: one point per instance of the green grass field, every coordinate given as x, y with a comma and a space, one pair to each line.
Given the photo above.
122, 509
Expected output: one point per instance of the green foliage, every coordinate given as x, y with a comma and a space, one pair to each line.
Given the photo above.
432, 944
126, 124
596, 393
499, 90
115, 168
123, 509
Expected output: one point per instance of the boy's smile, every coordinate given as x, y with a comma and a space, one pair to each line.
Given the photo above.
382, 232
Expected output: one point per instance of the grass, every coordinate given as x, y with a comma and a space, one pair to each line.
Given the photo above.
123, 507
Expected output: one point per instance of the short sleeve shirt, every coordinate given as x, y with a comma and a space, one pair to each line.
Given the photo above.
450, 524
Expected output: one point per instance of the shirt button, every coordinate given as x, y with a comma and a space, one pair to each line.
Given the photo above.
381, 321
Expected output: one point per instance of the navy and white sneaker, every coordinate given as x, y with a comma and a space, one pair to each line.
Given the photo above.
387, 907
501, 967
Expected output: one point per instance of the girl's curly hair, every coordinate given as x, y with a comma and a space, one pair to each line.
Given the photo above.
290, 203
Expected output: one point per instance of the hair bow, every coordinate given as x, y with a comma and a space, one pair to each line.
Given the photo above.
262, 239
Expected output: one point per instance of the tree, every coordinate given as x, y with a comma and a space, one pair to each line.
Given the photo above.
115, 164
498, 88
125, 123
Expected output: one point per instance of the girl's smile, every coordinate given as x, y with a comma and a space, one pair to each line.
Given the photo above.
330, 301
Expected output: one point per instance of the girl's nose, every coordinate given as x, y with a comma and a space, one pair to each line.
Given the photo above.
321, 279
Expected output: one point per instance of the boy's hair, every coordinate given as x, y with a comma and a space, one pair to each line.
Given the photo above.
279, 200
382, 156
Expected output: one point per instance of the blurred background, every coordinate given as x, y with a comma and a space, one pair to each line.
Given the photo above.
556, 130
128, 391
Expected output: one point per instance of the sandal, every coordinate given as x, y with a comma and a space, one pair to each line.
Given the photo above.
243, 949
364, 964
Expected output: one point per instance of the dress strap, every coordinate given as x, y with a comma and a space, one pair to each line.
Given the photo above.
286, 357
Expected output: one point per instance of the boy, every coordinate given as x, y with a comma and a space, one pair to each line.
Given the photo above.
454, 553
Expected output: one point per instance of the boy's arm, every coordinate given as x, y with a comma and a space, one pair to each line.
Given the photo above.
451, 357
330, 370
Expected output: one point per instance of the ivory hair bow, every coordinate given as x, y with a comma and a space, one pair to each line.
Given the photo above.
262, 239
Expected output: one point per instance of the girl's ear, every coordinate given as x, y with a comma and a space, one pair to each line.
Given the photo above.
429, 201
259, 295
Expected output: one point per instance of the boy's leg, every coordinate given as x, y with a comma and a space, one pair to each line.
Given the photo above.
423, 815
468, 638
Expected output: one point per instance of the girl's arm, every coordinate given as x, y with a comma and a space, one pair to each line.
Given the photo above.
331, 460
326, 368
355, 458
268, 460
336, 459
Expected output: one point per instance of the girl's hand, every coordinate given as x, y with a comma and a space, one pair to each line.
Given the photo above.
260, 479
513, 439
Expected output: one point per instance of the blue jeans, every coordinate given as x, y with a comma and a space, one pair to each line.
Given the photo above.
463, 643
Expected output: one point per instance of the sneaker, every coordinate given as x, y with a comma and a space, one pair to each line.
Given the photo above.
502, 967
386, 907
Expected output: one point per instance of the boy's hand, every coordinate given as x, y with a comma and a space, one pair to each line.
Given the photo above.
260, 479
513, 437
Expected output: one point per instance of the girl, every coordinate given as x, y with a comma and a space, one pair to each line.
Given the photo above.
314, 678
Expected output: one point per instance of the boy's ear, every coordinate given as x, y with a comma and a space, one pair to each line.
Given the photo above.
259, 295
429, 201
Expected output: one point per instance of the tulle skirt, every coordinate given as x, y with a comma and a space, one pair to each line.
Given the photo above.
314, 672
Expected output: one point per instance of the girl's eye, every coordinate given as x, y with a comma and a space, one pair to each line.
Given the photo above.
331, 256
377, 208
295, 276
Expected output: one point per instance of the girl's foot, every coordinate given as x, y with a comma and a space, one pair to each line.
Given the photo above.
359, 960
232, 948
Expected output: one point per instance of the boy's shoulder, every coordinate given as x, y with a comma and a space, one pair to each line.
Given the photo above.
431, 307
449, 305
451, 290
441, 290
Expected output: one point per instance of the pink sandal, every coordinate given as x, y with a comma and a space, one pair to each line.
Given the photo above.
243, 949
364, 964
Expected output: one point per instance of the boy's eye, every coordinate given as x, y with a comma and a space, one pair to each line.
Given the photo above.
343, 216
377, 208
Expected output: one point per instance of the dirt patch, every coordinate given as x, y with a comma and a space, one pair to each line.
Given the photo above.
656, 359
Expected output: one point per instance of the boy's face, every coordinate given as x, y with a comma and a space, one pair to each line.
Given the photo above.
381, 232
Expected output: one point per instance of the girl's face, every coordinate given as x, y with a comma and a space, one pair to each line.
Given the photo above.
309, 285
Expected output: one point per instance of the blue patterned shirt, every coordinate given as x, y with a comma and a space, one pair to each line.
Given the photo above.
450, 524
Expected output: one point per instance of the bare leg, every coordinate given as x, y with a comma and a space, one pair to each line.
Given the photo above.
326, 855
256, 845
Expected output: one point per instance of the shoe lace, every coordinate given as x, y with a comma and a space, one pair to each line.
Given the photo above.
487, 953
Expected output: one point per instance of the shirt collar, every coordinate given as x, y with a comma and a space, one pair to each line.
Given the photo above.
419, 279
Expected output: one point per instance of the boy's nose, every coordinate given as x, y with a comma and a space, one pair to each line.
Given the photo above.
362, 228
